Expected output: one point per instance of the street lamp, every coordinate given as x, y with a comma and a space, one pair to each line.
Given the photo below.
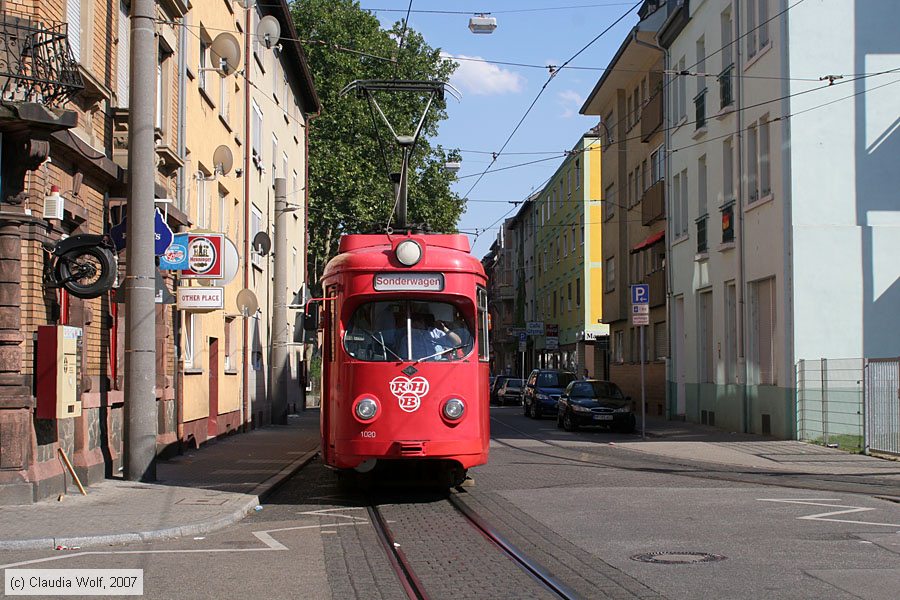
482, 23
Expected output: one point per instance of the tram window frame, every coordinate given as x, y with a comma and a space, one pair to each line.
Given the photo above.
482, 326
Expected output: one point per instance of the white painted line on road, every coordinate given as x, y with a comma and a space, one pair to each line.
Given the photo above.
271, 544
825, 516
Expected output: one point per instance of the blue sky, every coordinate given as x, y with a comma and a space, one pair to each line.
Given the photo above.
495, 97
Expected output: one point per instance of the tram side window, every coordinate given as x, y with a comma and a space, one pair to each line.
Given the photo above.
483, 343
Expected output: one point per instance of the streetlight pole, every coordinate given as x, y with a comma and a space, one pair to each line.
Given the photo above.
140, 276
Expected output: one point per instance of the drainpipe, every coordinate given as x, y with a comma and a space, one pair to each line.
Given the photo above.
246, 417
179, 195
741, 367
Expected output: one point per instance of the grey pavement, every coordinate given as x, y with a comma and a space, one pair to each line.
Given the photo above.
197, 492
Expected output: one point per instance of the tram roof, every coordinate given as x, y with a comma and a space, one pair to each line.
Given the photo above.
449, 252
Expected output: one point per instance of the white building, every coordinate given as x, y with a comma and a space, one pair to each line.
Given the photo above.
784, 214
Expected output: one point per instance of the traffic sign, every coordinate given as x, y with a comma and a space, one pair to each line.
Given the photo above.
640, 293
640, 319
522, 337
534, 328
640, 309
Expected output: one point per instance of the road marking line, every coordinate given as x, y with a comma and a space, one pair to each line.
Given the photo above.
825, 516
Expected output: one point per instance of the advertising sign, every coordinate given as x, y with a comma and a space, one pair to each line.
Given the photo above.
162, 234
175, 256
552, 330
534, 328
204, 256
199, 299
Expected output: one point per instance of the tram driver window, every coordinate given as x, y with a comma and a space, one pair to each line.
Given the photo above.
402, 330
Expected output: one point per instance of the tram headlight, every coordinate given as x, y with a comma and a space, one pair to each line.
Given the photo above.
408, 252
454, 408
366, 409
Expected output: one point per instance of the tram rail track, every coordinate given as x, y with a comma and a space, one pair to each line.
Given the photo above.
413, 584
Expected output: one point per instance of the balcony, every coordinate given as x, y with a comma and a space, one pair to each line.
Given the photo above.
653, 203
36, 63
651, 116
657, 282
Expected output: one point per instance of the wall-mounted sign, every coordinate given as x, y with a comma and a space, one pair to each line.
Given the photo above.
175, 256
204, 255
393, 282
162, 234
198, 299
551, 343
552, 330
534, 328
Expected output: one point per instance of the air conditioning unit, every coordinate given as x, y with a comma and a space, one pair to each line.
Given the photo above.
54, 205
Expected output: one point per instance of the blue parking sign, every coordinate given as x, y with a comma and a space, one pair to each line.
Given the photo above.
640, 293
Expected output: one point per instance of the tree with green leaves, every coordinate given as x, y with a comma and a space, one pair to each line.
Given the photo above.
350, 190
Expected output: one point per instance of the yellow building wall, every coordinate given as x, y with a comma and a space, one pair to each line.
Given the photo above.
593, 228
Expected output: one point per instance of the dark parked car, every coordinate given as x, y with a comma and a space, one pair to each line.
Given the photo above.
542, 391
595, 403
510, 392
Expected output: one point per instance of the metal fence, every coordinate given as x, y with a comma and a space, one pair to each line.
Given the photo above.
851, 403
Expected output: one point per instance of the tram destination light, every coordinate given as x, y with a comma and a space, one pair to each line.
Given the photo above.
409, 253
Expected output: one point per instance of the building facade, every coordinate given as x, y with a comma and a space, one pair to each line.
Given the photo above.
775, 179
628, 98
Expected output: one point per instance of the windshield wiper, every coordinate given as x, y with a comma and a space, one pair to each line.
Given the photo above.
436, 354
381, 341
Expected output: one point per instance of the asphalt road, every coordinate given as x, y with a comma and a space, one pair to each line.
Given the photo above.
573, 502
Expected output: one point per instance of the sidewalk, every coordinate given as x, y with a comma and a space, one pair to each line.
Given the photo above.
197, 492
677, 440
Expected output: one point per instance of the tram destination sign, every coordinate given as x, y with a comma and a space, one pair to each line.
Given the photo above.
401, 282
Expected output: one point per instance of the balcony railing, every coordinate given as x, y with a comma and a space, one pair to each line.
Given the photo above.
651, 116
653, 203
36, 62
726, 94
700, 110
701, 233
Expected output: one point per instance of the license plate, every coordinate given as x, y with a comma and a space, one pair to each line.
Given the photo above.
603, 417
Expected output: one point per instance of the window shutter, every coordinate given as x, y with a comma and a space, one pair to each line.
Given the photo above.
660, 340
73, 18
123, 55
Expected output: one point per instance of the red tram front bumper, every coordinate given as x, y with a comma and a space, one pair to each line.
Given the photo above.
348, 454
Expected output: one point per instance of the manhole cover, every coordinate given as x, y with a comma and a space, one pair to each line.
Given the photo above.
677, 558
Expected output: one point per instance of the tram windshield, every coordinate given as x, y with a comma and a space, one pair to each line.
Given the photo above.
402, 330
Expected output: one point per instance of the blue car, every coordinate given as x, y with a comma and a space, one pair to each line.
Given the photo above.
542, 391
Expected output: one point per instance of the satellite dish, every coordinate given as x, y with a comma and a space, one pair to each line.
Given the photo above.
223, 159
268, 31
261, 243
226, 53
247, 302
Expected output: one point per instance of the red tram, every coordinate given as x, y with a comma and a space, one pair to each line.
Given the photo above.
404, 330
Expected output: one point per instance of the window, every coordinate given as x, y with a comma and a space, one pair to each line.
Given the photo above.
629, 191
765, 177
680, 203
727, 37
609, 195
577, 174
229, 363
80, 20
573, 238
204, 59
554, 304
274, 158
158, 121
193, 342
224, 99
284, 168
660, 340
565, 244
701, 63
752, 165
657, 165
757, 26
223, 210
763, 322
610, 272
123, 42
256, 133
619, 346
727, 171
578, 291
681, 93
256, 227
202, 200
705, 363
701, 223
730, 332
569, 296
702, 208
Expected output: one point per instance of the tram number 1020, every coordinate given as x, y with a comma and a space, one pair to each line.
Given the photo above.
366, 434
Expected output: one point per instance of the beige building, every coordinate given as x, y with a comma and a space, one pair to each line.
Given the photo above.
629, 101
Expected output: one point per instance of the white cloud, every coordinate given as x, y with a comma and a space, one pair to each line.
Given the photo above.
484, 79
571, 101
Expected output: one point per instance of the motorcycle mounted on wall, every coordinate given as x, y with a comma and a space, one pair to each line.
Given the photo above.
84, 265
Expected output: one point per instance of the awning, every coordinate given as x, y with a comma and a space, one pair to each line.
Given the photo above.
649, 241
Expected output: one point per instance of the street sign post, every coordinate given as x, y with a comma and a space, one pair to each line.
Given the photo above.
640, 316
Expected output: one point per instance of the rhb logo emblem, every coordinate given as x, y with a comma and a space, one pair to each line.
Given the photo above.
409, 392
